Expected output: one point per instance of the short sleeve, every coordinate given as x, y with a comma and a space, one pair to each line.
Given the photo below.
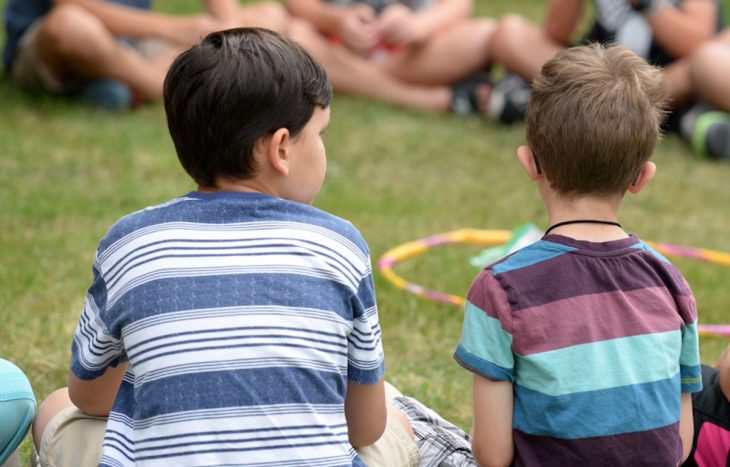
689, 358
365, 362
485, 347
94, 349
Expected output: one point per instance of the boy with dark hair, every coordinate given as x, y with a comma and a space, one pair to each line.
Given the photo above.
235, 325
584, 344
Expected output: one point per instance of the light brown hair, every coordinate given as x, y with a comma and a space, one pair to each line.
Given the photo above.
594, 118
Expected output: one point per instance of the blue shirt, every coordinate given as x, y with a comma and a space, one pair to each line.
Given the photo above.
20, 14
243, 317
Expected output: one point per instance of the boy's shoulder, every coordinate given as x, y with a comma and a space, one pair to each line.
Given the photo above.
231, 211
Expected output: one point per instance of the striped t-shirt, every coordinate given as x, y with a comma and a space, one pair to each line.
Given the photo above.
243, 316
598, 339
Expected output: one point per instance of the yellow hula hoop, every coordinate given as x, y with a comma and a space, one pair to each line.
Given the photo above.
498, 237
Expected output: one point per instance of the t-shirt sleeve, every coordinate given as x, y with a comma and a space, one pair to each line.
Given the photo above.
365, 363
94, 348
689, 359
485, 347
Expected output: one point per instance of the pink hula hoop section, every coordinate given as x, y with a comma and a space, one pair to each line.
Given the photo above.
498, 237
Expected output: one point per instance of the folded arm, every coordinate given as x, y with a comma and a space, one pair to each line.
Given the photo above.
96, 397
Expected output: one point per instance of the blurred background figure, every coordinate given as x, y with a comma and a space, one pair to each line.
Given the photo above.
17, 408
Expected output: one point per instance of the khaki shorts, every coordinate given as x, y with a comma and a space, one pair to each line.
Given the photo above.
74, 439
29, 72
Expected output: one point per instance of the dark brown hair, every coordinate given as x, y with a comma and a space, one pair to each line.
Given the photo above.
231, 89
594, 118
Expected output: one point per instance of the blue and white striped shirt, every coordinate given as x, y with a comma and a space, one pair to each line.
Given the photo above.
243, 316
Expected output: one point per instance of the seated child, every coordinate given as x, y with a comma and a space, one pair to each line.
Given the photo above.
712, 416
237, 324
584, 344
17, 407
423, 54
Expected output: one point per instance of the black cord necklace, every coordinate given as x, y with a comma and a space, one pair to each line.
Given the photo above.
581, 221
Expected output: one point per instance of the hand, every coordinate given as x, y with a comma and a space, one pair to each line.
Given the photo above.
399, 25
358, 28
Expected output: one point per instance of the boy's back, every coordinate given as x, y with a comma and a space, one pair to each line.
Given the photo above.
242, 316
584, 344
590, 334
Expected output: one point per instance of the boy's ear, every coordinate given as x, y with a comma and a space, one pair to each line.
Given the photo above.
529, 162
646, 173
278, 151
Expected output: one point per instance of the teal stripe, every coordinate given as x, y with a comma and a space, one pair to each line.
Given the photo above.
483, 337
538, 251
482, 367
691, 378
690, 355
624, 409
643, 246
601, 365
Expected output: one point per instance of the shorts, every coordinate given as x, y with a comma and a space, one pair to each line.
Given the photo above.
17, 408
29, 72
440, 443
74, 439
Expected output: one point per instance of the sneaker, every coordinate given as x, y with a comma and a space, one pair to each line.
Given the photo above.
508, 102
465, 97
708, 131
107, 94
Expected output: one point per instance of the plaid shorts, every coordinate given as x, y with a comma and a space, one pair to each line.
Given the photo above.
440, 443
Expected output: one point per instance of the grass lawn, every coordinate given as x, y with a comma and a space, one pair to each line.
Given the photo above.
68, 172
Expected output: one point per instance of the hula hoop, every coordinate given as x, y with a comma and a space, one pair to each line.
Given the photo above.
497, 237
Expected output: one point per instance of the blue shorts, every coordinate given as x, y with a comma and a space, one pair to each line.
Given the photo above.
17, 408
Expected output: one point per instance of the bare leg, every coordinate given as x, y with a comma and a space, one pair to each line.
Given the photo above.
709, 69
75, 44
51, 405
451, 55
678, 80
269, 15
352, 74
521, 46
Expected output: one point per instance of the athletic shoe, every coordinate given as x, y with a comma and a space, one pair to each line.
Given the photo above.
508, 102
107, 94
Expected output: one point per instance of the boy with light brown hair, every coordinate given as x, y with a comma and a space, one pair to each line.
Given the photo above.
584, 344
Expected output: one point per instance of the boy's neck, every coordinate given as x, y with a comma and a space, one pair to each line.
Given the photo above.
252, 185
588, 207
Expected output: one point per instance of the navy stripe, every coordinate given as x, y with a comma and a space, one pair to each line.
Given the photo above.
238, 390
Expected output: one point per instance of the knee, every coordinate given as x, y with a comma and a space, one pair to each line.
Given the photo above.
509, 33
70, 29
305, 34
51, 405
704, 61
272, 16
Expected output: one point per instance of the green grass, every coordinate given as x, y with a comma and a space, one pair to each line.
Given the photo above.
68, 172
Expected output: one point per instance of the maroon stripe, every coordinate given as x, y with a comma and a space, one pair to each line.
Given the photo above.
661, 448
487, 294
594, 318
574, 274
